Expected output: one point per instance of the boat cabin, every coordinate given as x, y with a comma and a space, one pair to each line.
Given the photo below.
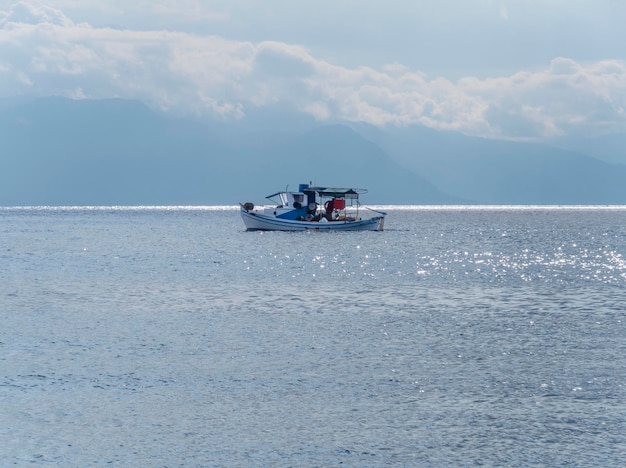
315, 204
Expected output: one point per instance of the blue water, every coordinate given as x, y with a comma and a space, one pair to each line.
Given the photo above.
172, 337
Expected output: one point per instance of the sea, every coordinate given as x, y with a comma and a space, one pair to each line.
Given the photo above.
171, 337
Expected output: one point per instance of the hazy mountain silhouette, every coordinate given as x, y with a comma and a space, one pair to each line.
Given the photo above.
609, 148
335, 155
504, 172
57, 151
60, 151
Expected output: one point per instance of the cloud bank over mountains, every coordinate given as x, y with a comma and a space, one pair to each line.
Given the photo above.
44, 51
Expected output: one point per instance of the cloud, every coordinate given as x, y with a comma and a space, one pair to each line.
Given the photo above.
42, 52
566, 97
23, 12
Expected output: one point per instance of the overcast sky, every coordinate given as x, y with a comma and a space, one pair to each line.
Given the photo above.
521, 69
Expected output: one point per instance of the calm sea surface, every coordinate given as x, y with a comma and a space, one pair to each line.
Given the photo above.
172, 337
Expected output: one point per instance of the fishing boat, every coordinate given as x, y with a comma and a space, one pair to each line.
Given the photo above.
313, 208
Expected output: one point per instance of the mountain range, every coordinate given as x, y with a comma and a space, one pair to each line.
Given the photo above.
58, 151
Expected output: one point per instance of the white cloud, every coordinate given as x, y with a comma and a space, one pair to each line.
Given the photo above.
44, 52
23, 12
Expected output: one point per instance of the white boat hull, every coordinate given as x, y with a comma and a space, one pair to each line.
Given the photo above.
255, 221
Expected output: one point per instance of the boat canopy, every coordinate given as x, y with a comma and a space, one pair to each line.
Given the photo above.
336, 192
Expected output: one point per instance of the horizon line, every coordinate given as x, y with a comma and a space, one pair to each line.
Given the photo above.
399, 207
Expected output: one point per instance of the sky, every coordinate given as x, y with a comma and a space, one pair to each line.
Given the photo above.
525, 70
